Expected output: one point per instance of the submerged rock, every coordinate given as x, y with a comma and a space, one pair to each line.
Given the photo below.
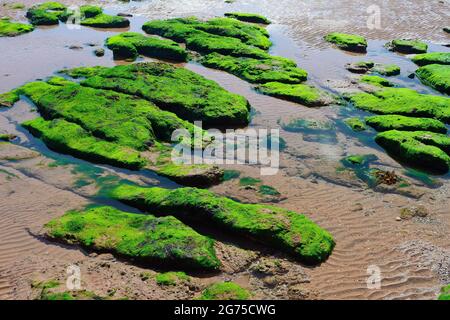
349, 42
356, 124
145, 238
387, 69
248, 17
12, 29
436, 76
360, 67
99, 52
407, 46
270, 225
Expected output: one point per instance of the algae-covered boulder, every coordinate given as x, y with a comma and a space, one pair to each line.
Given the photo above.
356, 124
248, 17
432, 58
349, 42
225, 291
269, 69
70, 138
93, 16
47, 13
397, 122
187, 94
145, 238
300, 93
387, 69
407, 46
422, 149
445, 291
130, 44
436, 76
181, 29
405, 102
376, 81
12, 29
287, 230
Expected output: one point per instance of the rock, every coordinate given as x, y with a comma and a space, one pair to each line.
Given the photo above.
99, 52
75, 47
123, 14
360, 67
398, 219
409, 213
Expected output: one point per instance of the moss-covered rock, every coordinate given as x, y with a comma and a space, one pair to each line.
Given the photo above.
225, 291
402, 123
432, 58
181, 29
356, 124
445, 291
387, 69
8, 99
47, 13
187, 94
436, 76
130, 44
269, 69
145, 238
422, 149
281, 228
300, 93
70, 138
349, 42
405, 102
407, 46
107, 115
376, 81
248, 17
171, 278
12, 29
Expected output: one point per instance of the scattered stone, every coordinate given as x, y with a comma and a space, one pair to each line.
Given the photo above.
99, 52
360, 67
409, 213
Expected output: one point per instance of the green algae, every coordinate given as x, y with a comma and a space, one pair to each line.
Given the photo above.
171, 278
445, 293
268, 190
349, 42
12, 29
93, 16
47, 13
230, 175
248, 17
107, 115
421, 149
281, 228
182, 29
225, 291
432, 58
300, 93
386, 69
422, 177
356, 124
130, 44
405, 102
8, 99
187, 94
436, 76
162, 240
407, 46
70, 138
360, 165
397, 122
269, 69
376, 81
248, 181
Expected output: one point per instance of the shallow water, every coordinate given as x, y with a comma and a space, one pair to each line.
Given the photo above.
362, 237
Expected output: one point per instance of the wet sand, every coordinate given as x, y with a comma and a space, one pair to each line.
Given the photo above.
413, 255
